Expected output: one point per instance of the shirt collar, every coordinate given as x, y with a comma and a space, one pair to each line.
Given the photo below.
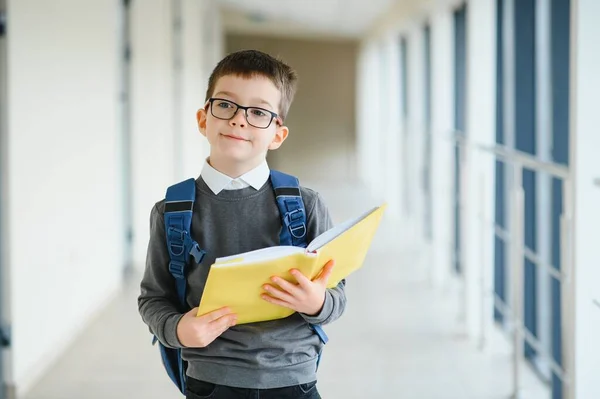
218, 181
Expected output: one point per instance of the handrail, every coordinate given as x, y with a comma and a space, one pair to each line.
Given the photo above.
513, 236
527, 160
529, 253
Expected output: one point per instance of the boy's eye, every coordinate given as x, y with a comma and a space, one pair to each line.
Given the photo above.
223, 104
258, 112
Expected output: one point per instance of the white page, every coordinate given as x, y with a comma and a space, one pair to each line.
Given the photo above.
336, 231
263, 254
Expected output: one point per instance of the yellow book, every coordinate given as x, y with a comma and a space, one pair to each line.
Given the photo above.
236, 281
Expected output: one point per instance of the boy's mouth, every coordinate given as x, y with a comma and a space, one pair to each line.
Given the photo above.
234, 137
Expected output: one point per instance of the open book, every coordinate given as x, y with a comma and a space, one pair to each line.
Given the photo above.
236, 281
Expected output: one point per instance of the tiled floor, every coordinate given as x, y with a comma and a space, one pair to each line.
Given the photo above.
398, 339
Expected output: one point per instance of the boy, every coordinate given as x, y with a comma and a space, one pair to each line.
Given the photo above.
249, 94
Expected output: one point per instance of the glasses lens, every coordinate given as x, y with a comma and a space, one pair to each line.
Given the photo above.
223, 109
259, 117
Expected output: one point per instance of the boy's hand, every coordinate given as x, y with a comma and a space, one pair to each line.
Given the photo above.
305, 297
198, 332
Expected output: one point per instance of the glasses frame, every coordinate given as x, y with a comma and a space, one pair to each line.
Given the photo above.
277, 118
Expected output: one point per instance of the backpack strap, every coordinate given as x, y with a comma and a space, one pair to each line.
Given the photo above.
291, 209
293, 220
179, 203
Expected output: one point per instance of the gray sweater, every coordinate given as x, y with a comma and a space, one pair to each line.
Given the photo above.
261, 355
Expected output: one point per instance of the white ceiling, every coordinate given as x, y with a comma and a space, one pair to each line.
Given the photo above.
341, 18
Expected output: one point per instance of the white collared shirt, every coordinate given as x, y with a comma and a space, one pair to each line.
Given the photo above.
218, 181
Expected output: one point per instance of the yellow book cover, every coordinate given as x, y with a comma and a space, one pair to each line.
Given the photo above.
236, 281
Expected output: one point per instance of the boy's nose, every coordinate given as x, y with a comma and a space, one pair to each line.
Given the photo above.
239, 119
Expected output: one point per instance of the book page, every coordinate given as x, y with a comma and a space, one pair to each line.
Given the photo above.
336, 231
259, 255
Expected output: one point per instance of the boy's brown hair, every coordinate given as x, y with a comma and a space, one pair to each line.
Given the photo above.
251, 63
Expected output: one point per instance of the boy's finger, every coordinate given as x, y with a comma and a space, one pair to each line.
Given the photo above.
216, 314
284, 284
222, 324
276, 301
275, 293
300, 278
326, 271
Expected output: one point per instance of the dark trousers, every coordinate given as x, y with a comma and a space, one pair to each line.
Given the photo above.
204, 390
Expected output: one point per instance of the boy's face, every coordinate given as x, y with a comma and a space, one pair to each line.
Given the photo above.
235, 143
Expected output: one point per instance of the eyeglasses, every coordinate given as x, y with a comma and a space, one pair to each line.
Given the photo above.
258, 117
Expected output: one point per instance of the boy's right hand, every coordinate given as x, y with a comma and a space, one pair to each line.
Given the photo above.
198, 332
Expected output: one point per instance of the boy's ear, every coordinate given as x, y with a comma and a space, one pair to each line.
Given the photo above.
201, 118
280, 136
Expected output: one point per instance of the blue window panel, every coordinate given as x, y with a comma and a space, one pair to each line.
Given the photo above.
500, 203
428, 155
500, 245
404, 97
525, 140
460, 88
404, 75
560, 56
460, 67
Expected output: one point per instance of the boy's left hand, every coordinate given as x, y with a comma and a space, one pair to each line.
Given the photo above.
305, 297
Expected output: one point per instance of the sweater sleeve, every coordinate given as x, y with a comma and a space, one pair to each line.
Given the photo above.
319, 221
157, 302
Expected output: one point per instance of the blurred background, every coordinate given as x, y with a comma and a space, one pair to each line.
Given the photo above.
473, 119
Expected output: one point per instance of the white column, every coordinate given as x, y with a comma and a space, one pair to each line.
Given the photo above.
362, 93
585, 143
376, 111
416, 131
479, 193
391, 143
195, 82
368, 115
442, 148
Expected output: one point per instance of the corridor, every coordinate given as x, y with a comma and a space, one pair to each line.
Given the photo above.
474, 120
399, 338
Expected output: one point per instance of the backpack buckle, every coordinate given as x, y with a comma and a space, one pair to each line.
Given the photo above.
294, 215
197, 253
298, 231
177, 269
176, 250
176, 234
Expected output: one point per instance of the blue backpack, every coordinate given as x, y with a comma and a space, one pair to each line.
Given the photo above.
179, 204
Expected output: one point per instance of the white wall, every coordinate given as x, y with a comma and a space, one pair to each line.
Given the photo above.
62, 169
321, 145
156, 113
202, 47
586, 142
64, 176
152, 113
